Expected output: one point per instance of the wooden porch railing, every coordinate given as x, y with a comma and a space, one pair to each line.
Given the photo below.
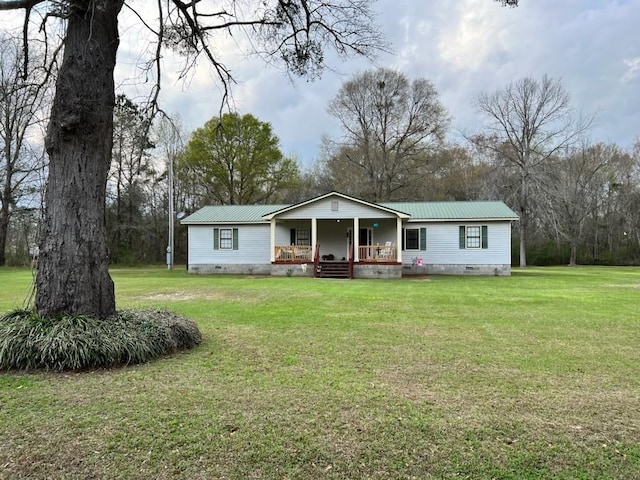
378, 253
293, 253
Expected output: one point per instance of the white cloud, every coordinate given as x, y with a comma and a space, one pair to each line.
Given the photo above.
464, 47
472, 37
633, 69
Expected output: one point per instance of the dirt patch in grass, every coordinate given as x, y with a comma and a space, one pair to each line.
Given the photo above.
624, 285
204, 295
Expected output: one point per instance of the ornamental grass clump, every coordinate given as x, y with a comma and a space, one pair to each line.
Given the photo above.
78, 342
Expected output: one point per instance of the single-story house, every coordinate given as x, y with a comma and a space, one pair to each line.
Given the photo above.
337, 235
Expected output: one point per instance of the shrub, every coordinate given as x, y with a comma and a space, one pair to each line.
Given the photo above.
77, 342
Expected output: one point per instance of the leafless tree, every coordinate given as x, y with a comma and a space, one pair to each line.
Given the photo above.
390, 126
614, 229
528, 122
572, 188
131, 169
21, 108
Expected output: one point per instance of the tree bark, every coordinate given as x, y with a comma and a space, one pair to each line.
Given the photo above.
573, 258
73, 274
523, 201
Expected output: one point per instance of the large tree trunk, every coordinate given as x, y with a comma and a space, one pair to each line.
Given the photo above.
524, 217
523, 247
573, 258
73, 272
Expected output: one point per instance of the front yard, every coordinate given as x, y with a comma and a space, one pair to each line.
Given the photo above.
531, 376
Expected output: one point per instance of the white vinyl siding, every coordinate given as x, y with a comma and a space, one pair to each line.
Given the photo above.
444, 248
253, 245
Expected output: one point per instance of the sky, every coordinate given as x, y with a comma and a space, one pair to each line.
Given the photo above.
464, 47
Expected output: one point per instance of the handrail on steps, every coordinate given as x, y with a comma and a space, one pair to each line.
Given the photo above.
316, 259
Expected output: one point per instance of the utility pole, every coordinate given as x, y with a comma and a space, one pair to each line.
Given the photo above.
170, 246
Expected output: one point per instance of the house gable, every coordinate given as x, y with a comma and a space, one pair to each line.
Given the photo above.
335, 205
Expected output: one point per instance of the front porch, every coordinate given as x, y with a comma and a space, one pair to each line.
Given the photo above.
373, 261
376, 240
336, 229
386, 253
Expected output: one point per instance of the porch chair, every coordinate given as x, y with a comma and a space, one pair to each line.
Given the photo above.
387, 252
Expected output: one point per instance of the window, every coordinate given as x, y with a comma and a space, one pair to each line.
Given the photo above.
225, 239
303, 236
411, 239
300, 236
415, 239
474, 236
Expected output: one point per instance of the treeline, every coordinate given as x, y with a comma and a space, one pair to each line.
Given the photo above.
578, 200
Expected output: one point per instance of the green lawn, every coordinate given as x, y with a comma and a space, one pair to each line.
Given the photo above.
525, 377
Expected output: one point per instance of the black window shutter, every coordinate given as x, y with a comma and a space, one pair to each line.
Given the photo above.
292, 237
485, 237
462, 237
216, 238
423, 238
403, 239
235, 239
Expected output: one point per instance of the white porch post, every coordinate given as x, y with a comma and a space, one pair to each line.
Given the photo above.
273, 240
314, 238
399, 238
355, 239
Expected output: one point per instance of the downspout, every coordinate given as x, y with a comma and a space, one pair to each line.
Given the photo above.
272, 254
399, 239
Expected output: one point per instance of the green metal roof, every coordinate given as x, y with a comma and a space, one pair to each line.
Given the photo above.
454, 210
231, 214
419, 211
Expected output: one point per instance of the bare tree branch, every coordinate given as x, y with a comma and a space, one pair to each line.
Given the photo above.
529, 122
19, 4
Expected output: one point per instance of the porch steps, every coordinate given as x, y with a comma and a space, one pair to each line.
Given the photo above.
333, 270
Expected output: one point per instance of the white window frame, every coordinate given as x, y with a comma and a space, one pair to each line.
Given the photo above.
222, 240
470, 240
